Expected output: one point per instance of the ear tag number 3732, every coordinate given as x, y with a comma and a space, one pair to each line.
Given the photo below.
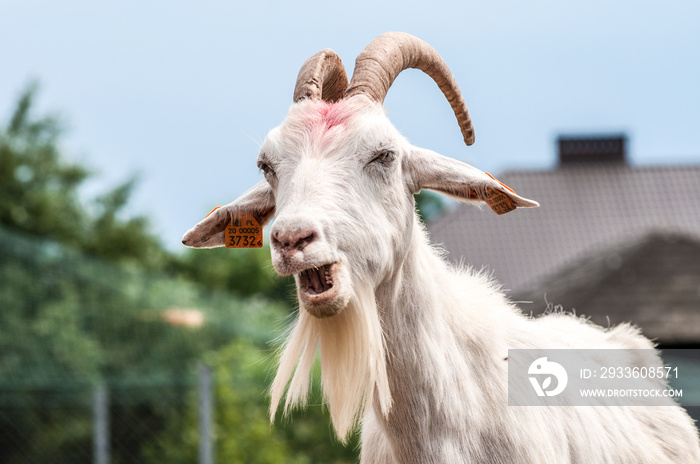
244, 232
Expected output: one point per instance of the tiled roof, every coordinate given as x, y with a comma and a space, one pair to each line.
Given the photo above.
653, 282
585, 209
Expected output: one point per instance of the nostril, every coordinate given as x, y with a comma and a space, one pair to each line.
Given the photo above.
302, 242
289, 240
275, 241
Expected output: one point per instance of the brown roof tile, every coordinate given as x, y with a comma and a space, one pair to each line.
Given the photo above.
584, 209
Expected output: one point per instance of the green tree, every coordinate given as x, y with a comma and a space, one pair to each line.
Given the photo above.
244, 271
38, 190
39, 194
123, 240
69, 322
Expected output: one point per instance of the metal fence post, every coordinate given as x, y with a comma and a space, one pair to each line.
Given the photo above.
100, 414
206, 415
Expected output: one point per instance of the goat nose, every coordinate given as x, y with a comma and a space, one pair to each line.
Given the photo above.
292, 239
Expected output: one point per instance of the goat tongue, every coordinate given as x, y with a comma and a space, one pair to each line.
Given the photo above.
315, 278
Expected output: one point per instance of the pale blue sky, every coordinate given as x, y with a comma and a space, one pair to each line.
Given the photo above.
183, 92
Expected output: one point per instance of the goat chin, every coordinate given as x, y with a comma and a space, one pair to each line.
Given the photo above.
352, 361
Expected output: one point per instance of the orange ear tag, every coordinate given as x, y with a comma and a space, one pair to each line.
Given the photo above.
244, 232
499, 202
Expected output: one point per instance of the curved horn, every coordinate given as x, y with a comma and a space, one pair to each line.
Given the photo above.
321, 76
389, 54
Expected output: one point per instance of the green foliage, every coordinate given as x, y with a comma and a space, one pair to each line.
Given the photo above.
123, 240
244, 426
38, 190
70, 322
245, 271
118, 320
39, 194
243, 430
39, 197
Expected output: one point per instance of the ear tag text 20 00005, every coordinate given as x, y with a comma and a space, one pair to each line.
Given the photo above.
243, 231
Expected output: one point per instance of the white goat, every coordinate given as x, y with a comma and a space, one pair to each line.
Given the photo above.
414, 348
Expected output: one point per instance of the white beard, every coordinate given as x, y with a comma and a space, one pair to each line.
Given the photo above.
353, 364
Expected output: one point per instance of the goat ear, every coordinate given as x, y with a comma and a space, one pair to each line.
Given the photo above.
426, 169
209, 232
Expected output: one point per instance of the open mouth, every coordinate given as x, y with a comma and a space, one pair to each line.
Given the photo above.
317, 281
320, 289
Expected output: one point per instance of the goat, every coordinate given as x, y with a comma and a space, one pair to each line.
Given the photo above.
410, 346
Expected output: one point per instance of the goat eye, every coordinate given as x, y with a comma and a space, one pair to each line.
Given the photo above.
384, 157
266, 169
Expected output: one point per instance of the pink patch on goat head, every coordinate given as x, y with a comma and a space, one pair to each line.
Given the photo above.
327, 121
334, 114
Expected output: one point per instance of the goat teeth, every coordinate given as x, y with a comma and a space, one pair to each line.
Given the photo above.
316, 280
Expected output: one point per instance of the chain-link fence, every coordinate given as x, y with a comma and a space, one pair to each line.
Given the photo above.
86, 424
